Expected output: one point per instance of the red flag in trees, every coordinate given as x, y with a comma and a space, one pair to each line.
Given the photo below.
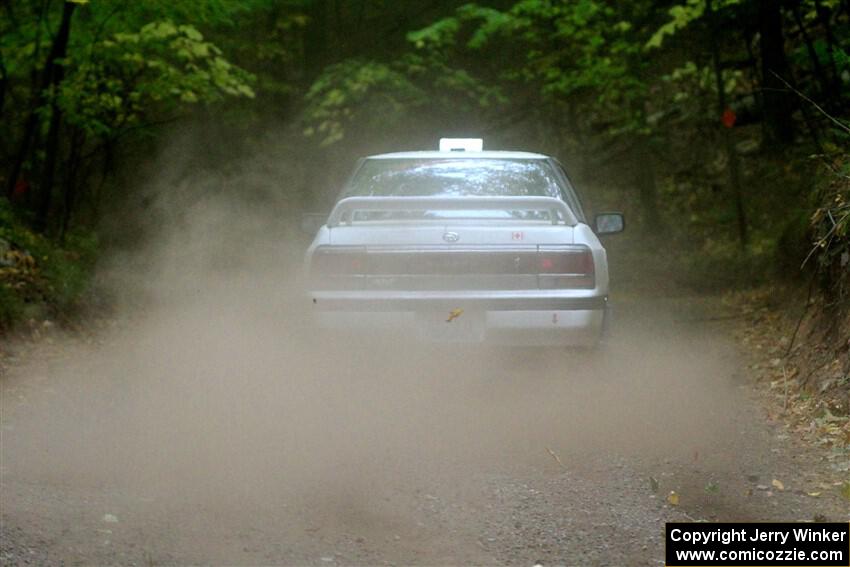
729, 117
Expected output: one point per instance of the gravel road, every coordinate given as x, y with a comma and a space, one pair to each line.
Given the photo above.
226, 436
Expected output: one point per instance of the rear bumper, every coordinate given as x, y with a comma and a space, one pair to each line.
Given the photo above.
530, 321
426, 303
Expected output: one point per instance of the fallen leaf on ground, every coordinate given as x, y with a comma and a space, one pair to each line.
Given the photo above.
673, 498
556, 457
778, 484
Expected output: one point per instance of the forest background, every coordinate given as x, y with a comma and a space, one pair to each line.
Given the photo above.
718, 126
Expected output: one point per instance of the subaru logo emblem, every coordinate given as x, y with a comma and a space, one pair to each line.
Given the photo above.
451, 237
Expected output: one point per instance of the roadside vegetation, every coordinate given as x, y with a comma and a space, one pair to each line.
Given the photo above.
40, 278
798, 336
719, 126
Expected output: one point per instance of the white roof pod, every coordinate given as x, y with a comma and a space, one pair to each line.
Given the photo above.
461, 144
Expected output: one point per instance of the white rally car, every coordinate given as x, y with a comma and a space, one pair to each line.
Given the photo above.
462, 245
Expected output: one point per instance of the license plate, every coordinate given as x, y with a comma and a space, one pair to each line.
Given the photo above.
453, 326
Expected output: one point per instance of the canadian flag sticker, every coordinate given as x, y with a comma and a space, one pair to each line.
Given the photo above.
516, 236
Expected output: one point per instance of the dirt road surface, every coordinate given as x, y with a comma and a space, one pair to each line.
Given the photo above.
227, 435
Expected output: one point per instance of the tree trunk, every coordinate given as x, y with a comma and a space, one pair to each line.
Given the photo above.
70, 192
107, 169
316, 40
818, 69
647, 190
23, 151
51, 76
728, 142
4, 81
51, 149
777, 102
823, 18
31, 122
58, 51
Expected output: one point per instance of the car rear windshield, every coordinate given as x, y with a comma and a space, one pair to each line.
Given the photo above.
454, 177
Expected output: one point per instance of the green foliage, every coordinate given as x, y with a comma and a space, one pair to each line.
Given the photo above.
371, 97
583, 52
126, 68
439, 34
625, 92
721, 264
162, 66
12, 306
682, 15
687, 95
274, 53
450, 89
23, 44
37, 274
345, 92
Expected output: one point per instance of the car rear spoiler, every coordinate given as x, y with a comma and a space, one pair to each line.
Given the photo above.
341, 213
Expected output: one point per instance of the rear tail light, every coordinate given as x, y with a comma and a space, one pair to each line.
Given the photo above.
568, 267
554, 267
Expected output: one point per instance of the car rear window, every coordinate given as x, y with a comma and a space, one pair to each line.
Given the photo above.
454, 177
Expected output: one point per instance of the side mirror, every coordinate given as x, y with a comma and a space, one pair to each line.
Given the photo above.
312, 222
609, 223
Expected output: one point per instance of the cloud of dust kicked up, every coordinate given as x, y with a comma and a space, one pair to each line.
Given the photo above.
215, 395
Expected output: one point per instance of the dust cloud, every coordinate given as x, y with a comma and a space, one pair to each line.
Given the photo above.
212, 396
